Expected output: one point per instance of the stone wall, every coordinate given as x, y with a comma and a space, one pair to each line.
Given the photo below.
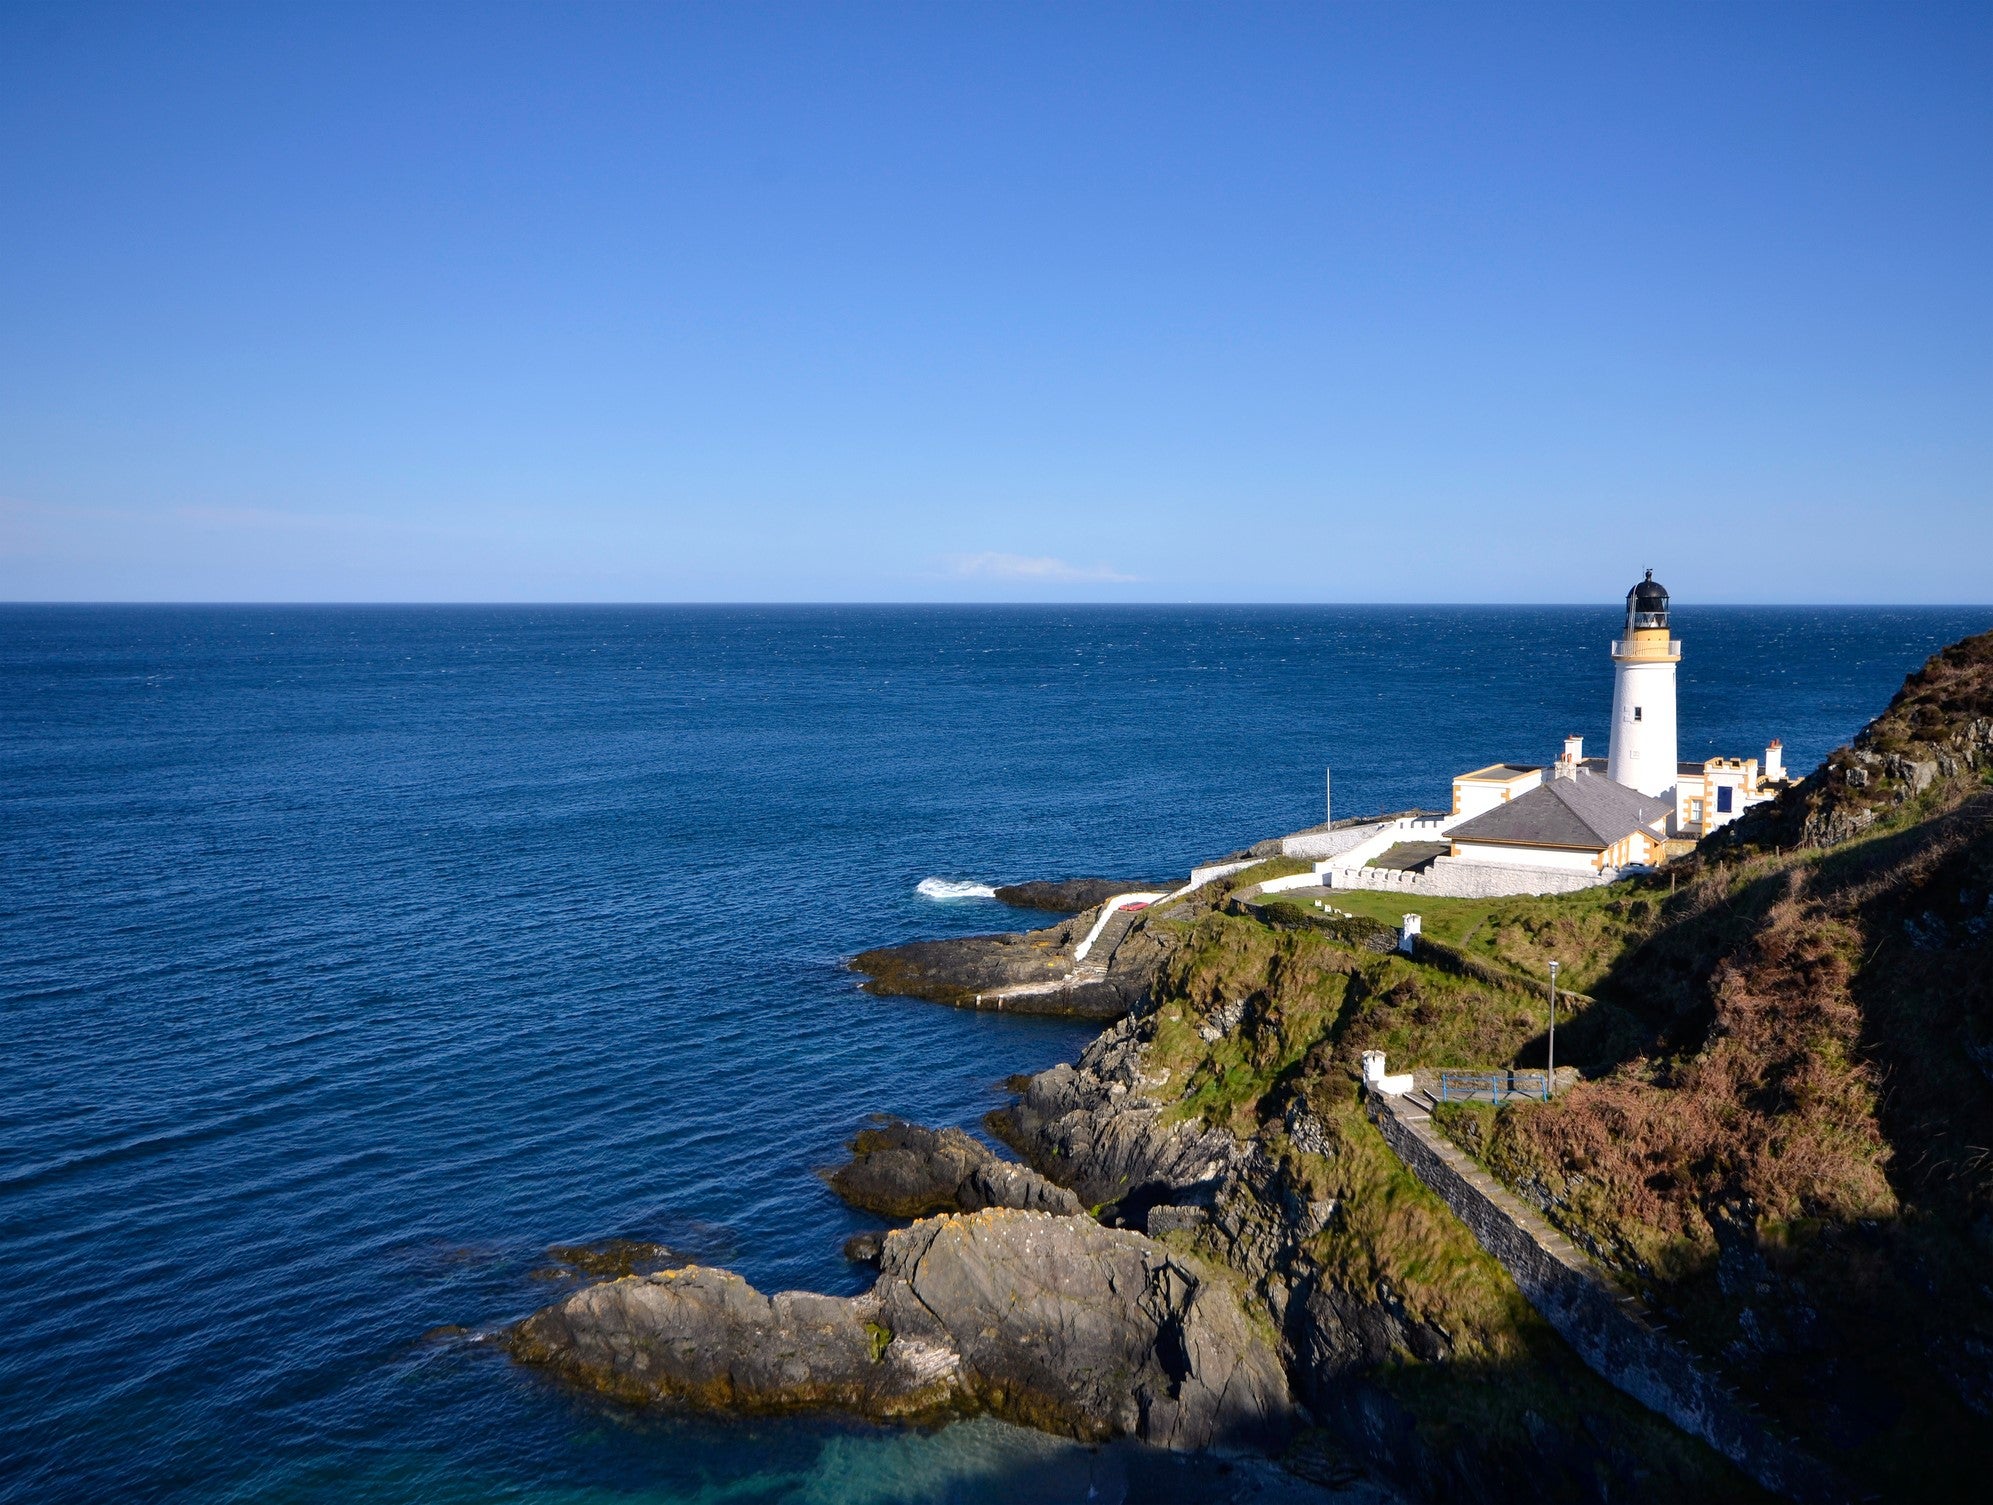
1452, 878
1608, 1331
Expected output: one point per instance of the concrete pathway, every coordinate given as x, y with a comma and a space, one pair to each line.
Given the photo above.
1095, 955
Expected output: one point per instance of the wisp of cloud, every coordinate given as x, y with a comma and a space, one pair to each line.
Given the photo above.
1031, 567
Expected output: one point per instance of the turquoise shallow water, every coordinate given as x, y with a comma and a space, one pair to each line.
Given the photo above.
350, 957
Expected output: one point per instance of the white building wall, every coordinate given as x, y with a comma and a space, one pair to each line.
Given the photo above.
1642, 753
1703, 786
1476, 798
1547, 857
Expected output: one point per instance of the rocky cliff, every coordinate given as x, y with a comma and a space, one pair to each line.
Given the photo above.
1054, 1322
1015, 972
1936, 730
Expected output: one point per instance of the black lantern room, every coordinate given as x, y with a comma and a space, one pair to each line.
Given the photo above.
1647, 605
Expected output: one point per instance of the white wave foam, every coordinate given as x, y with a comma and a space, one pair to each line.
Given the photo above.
948, 888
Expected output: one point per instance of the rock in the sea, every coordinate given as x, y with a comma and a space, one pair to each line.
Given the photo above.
865, 1248
611, 1257
1071, 895
1052, 1322
956, 970
902, 1170
1036, 972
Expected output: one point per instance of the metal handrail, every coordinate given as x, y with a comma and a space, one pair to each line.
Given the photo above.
1492, 1086
1623, 647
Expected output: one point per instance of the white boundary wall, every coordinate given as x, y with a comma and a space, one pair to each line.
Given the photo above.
1453, 878
1344, 853
1107, 911
1321, 845
1379, 839
1199, 876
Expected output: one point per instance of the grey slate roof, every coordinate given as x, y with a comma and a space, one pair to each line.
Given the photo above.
1588, 812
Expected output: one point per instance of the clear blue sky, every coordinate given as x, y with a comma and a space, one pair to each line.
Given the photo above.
971, 302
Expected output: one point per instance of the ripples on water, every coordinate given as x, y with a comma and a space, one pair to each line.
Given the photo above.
353, 956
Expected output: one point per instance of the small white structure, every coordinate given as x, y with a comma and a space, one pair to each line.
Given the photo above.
1375, 1079
1408, 934
1641, 754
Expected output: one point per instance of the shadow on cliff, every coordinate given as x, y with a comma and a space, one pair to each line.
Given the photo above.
1792, 1099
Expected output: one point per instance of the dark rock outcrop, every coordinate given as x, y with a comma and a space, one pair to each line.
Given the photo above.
865, 1248
1029, 972
1004, 1183
1937, 729
611, 1257
1071, 895
957, 970
902, 1170
1099, 1128
1052, 1322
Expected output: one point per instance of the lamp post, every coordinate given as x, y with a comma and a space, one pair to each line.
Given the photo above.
1550, 1076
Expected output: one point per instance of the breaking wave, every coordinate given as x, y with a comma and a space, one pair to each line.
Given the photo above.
949, 888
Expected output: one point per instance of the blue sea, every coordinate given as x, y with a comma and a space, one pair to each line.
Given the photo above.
350, 957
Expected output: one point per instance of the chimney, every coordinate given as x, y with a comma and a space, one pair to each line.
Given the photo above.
1775, 760
1566, 766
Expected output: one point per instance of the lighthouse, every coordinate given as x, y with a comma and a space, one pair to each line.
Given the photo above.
1642, 750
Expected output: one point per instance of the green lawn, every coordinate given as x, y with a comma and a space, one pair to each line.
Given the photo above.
1587, 931
1448, 920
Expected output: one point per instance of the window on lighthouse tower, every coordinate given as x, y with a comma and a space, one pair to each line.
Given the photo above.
1636, 713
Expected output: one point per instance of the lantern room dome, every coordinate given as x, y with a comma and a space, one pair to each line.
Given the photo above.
1647, 605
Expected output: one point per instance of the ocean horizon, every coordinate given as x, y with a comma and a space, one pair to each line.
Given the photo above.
351, 956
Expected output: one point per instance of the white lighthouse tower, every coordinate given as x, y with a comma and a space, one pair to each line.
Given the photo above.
1642, 752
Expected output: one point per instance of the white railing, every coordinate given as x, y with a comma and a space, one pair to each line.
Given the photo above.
1621, 648
1107, 910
